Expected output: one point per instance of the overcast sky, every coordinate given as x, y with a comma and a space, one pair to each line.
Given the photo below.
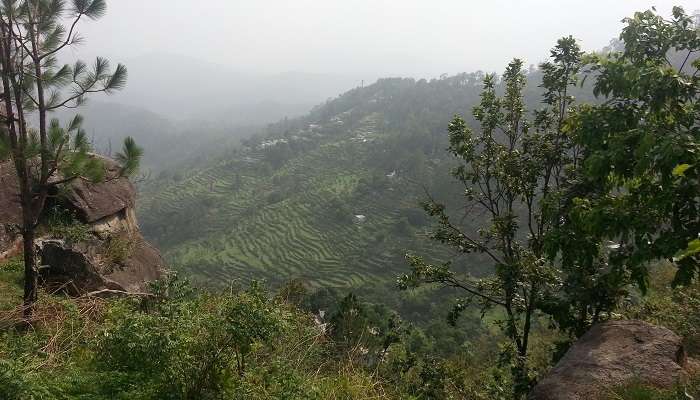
420, 38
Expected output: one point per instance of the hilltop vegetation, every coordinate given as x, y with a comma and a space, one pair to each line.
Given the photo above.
240, 343
248, 343
288, 204
555, 199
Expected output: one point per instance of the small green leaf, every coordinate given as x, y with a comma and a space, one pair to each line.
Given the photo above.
693, 249
680, 169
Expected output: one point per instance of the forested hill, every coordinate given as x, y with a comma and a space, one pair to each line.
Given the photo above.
332, 198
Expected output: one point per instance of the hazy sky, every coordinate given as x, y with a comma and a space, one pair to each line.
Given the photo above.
421, 38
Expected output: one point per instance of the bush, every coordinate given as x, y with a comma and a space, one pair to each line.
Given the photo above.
637, 391
118, 249
675, 308
188, 348
17, 383
64, 224
181, 343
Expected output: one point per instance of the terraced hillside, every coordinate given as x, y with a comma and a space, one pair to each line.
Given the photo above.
332, 198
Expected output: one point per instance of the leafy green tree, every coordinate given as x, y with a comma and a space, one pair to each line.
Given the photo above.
635, 197
512, 171
32, 35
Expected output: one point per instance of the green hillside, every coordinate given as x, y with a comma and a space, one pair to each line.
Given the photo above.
332, 198
284, 205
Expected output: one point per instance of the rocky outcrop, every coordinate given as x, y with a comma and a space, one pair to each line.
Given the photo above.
92, 265
111, 255
93, 202
614, 354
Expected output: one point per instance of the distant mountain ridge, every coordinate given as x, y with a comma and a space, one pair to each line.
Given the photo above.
165, 142
179, 108
182, 88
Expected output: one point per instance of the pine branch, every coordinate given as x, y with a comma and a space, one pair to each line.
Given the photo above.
65, 43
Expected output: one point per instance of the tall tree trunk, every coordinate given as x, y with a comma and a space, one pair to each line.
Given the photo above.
29, 218
17, 131
31, 273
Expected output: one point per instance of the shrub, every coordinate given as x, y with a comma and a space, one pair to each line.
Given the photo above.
637, 391
64, 224
118, 249
677, 309
187, 348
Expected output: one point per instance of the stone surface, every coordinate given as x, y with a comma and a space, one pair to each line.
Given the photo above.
95, 201
87, 266
108, 210
90, 201
613, 354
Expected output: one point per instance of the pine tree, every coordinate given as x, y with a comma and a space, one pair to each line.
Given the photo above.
32, 35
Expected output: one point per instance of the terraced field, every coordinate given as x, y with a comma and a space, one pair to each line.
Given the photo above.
235, 221
331, 197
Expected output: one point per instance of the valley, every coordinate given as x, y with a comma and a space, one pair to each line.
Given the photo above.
332, 199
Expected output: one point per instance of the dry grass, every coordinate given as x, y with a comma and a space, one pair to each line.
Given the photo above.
59, 324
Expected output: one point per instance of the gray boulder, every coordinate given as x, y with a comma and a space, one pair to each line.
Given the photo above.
95, 201
613, 354
96, 264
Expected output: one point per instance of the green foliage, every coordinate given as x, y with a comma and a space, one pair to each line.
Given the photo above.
72, 156
92, 9
130, 157
511, 171
633, 197
675, 308
182, 343
118, 249
15, 384
186, 349
640, 391
293, 292
349, 322
178, 344
10, 283
638, 183
12, 265
692, 250
63, 224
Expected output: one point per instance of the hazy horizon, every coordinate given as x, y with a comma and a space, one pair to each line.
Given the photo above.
237, 54
412, 38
